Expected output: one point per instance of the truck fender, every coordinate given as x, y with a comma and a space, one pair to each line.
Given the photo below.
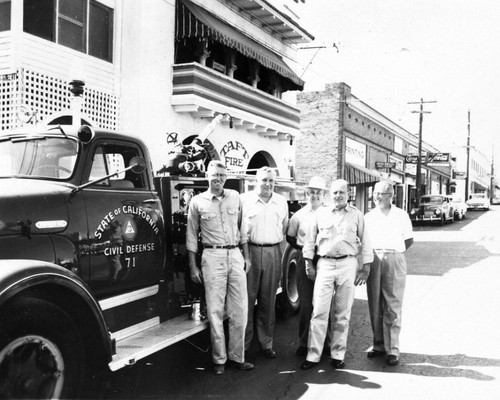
58, 285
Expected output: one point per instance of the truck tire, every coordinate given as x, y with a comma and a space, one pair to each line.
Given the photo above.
41, 352
288, 301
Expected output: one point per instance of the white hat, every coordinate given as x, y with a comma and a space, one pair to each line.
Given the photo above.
317, 182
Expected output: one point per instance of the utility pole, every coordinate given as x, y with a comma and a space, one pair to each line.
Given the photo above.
419, 156
468, 158
492, 190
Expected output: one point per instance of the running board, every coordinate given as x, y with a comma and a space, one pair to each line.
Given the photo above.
135, 347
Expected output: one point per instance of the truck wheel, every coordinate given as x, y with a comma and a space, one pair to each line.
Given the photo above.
41, 352
288, 300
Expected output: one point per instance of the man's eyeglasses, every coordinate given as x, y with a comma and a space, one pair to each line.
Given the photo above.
312, 192
380, 193
220, 176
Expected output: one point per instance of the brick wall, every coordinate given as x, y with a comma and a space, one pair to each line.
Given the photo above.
318, 147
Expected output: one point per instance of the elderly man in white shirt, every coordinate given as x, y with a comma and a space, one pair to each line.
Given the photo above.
391, 234
266, 219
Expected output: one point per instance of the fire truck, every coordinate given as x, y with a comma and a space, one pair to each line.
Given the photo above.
93, 265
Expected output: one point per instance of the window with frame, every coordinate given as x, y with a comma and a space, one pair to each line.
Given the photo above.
83, 25
113, 158
5, 7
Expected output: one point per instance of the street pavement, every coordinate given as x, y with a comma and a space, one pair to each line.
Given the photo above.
449, 341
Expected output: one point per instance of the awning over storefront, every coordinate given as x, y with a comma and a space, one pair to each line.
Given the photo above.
356, 174
193, 21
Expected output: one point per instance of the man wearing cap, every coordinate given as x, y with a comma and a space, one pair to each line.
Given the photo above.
217, 215
266, 219
338, 234
387, 280
297, 229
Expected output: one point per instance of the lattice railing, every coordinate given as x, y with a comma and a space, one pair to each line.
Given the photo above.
46, 95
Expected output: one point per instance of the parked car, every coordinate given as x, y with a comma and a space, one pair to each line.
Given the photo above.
433, 207
478, 201
459, 207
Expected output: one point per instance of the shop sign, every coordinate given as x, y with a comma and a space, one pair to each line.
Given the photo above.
399, 163
413, 158
438, 159
234, 154
355, 152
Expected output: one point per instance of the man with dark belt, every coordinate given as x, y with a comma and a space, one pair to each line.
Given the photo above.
387, 280
217, 215
338, 233
266, 219
296, 233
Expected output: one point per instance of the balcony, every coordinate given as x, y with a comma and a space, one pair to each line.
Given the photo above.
204, 93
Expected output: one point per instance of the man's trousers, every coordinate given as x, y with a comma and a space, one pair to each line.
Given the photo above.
385, 289
225, 284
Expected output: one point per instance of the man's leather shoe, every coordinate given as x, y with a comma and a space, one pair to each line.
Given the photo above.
301, 351
308, 364
392, 360
375, 353
337, 364
244, 366
219, 369
269, 353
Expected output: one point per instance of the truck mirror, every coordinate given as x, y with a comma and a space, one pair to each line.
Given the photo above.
138, 165
85, 134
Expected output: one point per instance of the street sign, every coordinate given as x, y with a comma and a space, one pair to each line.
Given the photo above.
384, 165
459, 175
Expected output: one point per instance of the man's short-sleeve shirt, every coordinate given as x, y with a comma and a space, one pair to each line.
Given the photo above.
389, 231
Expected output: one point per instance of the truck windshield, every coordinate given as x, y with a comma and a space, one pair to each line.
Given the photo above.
37, 156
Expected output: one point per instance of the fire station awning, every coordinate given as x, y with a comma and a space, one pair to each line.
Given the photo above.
355, 174
193, 21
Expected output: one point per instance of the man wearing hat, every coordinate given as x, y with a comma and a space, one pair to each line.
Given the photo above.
297, 229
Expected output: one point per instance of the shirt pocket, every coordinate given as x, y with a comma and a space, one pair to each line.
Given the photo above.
232, 214
209, 219
349, 233
325, 229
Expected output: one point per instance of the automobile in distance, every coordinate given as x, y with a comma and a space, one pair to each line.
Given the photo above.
433, 207
459, 207
478, 201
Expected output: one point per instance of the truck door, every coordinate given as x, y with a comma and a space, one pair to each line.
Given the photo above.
124, 219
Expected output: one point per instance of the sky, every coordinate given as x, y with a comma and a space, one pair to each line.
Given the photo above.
392, 52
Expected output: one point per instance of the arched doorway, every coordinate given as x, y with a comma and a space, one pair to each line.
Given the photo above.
261, 159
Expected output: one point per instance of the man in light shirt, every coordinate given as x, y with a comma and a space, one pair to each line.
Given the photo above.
338, 233
391, 234
297, 228
266, 219
217, 215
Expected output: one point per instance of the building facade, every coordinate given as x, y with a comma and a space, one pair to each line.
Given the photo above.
161, 70
343, 137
